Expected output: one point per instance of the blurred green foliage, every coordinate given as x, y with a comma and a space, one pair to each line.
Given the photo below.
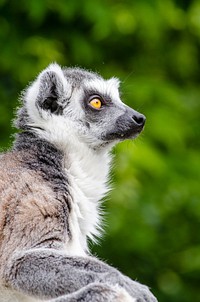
153, 46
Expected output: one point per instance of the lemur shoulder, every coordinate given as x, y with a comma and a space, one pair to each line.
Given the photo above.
51, 184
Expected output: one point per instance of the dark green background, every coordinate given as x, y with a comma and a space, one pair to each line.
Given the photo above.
153, 46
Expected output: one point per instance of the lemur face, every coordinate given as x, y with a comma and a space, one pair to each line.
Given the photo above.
75, 104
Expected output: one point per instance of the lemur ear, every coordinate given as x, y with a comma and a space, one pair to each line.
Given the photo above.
53, 90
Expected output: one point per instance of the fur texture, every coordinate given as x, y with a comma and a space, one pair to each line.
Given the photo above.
51, 184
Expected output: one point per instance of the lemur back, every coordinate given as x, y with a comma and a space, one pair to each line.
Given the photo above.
51, 184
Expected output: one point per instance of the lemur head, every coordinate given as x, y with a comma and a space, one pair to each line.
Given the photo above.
74, 105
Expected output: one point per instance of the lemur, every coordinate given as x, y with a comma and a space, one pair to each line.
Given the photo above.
51, 184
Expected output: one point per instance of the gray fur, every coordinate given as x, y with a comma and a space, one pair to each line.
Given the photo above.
43, 238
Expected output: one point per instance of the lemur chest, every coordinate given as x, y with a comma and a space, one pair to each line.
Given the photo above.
86, 189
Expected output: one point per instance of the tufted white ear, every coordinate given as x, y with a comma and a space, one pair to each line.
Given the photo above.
49, 91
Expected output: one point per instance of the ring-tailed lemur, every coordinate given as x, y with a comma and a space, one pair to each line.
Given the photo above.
50, 186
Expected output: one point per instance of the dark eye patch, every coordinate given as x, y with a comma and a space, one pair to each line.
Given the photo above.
90, 94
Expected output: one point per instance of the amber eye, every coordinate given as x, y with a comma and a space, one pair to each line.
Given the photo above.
96, 103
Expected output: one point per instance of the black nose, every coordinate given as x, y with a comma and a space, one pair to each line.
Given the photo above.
139, 119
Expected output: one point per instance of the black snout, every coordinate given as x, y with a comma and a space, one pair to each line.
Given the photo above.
127, 126
131, 121
139, 119
130, 124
